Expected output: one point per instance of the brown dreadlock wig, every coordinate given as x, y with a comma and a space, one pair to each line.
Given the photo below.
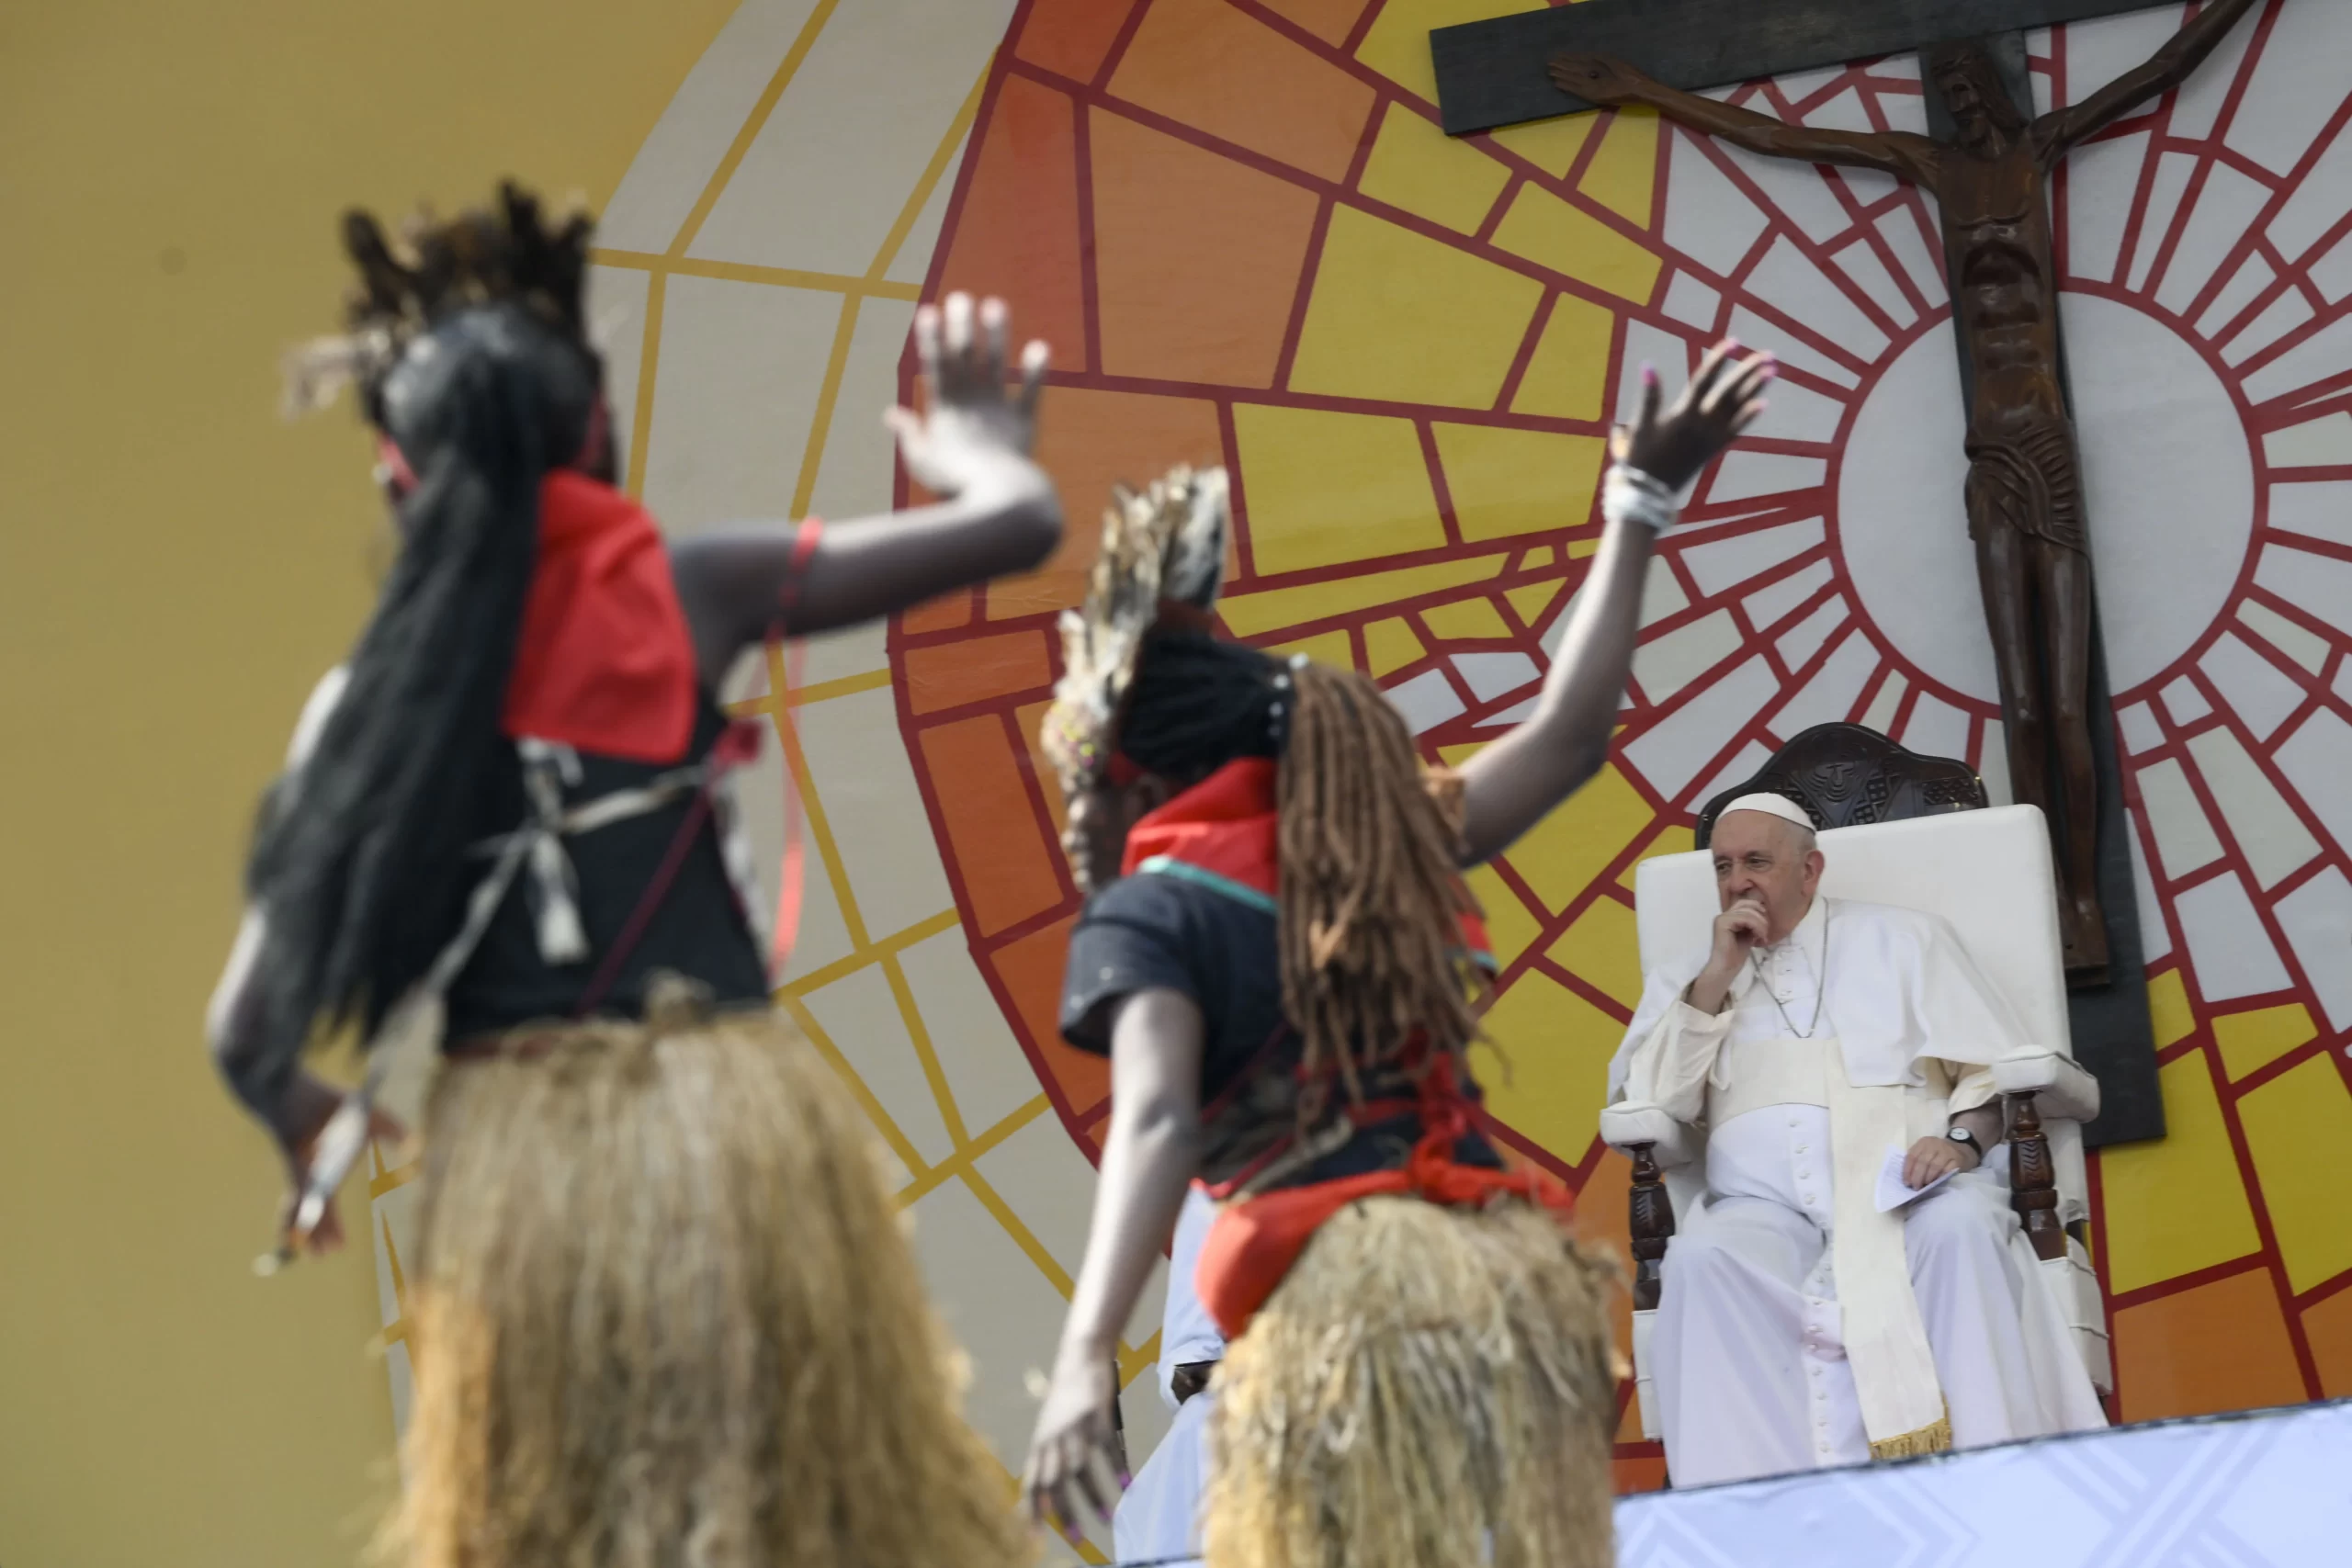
1368, 886
466, 343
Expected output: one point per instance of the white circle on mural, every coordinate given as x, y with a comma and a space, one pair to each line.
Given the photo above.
2167, 480
1902, 525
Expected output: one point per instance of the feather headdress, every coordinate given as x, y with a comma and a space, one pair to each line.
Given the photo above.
1162, 562
506, 253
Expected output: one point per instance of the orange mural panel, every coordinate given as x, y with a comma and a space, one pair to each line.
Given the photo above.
2217, 1347
1330, 21
1196, 257
1206, 63
1088, 440
1644, 1473
1007, 869
1071, 36
2327, 1329
1017, 233
1030, 719
941, 614
1032, 971
949, 675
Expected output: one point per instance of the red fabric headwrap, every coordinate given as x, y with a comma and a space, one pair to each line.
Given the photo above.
604, 663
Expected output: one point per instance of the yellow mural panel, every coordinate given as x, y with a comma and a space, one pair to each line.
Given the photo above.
1561, 855
1545, 1065
2177, 1204
1326, 487
1574, 244
1600, 949
1251, 614
1331, 648
1533, 601
1510, 927
1398, 315
1506, 482
2248, 1040
1567, 377
2298, 1127
2169, 1007
1399, 43
1550, 145
1422, 169
1390, 645
1623, 175
1466, 618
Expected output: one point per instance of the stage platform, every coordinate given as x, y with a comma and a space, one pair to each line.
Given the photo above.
2252, 1490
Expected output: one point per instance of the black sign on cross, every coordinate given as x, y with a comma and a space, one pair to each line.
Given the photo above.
1988, 165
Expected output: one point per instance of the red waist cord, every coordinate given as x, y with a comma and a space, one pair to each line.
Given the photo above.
1253, 1243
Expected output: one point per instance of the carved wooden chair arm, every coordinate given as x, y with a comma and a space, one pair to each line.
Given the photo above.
1633, 1122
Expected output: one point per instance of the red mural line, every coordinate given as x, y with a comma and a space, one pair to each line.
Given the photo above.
1402, 217
1042, 813
1493, 221
1089, 284
1116, 55
1583, 989
1295, 326
1517, 374
1439, 489
1781, 225
1324, 402
2180, 1284
2324, 1290
1237, 495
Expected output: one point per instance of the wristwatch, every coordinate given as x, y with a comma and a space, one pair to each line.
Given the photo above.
1962, 1135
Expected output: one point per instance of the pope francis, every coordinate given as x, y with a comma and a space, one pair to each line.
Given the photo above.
1854, 1285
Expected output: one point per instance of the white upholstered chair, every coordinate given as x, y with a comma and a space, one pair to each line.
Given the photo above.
1987, 872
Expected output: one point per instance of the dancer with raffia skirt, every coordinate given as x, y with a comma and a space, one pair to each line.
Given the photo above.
1281, 961
662, 1310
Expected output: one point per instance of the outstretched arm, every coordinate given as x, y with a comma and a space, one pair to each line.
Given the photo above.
2161, 72
1598, 79
1148, 1157
998, 512
1509, 786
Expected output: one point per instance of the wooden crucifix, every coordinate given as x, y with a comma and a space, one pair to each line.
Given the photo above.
1990, 178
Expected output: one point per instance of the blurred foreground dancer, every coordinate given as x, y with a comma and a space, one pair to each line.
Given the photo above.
1281, 961
662, 1309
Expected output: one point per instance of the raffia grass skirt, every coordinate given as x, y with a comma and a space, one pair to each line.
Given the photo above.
1428, 1388
664, 1315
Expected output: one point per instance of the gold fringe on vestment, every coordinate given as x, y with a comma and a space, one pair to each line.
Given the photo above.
1427, 1388
1933, 1438
664, 1315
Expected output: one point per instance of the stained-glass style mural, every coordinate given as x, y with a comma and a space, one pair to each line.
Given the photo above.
1240, 227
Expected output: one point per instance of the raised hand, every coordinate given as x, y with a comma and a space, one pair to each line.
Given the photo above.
1724, 398
1596, 78
1071, 1458
973, 432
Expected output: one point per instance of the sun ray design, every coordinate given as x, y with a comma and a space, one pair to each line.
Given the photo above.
1238, 225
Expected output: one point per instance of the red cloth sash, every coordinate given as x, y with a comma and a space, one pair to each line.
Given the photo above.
604, 662
1252, 1243
1226, 826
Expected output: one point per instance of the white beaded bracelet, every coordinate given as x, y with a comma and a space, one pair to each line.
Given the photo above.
1629, 495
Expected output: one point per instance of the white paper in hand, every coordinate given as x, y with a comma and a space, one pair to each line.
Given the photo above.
1891, 1191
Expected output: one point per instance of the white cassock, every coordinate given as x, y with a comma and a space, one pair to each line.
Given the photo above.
1798, 1327
1159, 1514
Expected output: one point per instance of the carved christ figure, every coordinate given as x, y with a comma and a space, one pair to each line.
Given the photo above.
2024, 497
